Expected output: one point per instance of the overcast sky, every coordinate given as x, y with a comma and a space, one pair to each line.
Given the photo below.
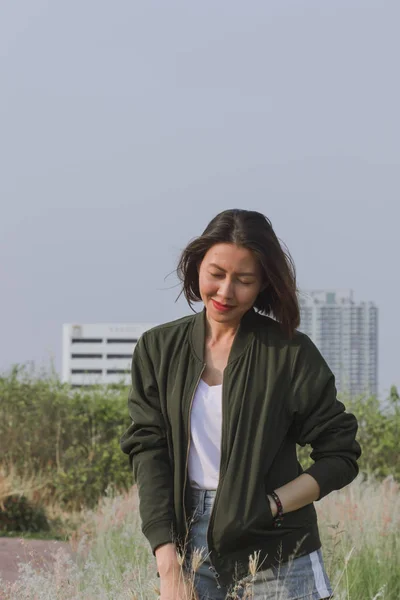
126, 126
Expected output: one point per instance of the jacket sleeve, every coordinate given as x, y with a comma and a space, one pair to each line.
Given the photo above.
320, 420
145, 442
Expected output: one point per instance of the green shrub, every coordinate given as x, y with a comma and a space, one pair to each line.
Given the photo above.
72, 436
378, 434
18, 514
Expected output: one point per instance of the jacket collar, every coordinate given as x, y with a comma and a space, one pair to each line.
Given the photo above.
243, 337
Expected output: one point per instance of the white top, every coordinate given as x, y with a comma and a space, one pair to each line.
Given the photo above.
205, 437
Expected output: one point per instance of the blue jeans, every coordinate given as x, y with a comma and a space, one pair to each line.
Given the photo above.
302, 578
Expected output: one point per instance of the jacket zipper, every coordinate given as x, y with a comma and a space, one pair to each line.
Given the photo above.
221, 475
188, 449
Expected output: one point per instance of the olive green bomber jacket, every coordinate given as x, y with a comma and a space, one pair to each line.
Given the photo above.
276, 392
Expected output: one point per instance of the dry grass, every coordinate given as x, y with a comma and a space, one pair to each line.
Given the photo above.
35, 487
360, 529
28, 484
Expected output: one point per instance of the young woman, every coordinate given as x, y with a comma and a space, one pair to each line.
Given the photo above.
218, 402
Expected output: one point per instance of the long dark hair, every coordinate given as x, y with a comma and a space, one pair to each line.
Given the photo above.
252, 230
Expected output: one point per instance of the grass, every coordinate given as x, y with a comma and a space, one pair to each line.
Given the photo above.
360, 528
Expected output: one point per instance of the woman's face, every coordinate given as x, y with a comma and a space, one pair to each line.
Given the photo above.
230, 281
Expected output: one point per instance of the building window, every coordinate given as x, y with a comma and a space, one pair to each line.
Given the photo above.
119, 356
86, 356
86, 371
87, 340
118, 371
121, 341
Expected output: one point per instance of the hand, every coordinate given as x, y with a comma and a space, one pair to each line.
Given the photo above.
274, 508
175, 584
177, 587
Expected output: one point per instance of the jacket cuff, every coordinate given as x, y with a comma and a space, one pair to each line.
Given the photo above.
158, 534
332, 475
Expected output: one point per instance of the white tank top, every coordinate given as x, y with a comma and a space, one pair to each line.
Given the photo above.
205, 437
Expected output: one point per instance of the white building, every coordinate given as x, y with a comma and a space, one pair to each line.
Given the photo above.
99, 352
346, 334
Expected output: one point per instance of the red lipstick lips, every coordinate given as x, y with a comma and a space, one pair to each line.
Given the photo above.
221, 307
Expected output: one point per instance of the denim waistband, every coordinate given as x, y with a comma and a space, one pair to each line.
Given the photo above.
202, 500
202, 496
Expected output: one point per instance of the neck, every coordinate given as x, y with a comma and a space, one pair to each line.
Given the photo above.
217, 332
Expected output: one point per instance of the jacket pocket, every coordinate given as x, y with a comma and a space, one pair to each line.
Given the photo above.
258, 519
298, 519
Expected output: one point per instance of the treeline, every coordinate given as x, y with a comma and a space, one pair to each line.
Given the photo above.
71, 437
68, 437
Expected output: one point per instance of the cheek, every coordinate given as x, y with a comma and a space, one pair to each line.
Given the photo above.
248, 296
208, 287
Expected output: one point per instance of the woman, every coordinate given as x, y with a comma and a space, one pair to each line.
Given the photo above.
218, 402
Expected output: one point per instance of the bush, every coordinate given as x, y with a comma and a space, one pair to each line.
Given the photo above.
71, 437
18, 514
378, 434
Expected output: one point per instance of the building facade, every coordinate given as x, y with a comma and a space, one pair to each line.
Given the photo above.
346, 333
99, 352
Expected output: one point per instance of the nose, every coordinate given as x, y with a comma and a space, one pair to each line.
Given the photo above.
226, 289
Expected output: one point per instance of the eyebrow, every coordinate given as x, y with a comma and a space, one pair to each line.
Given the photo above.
249, 274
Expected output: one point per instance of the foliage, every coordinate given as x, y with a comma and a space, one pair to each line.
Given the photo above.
378, 434
18, 514
71, 437
359, 528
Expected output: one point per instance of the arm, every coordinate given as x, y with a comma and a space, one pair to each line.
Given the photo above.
146, 444
297, 493
320, 420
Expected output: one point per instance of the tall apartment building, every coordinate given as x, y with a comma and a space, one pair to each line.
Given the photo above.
346, 333
99, 352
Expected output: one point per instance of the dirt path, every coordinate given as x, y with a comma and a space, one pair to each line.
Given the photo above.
18, 550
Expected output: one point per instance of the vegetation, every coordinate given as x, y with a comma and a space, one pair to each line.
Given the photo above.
60, 453
18, 514
359, 527
71, 438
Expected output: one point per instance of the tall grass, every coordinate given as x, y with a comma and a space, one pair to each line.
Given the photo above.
360, 528
13, 481
111, 560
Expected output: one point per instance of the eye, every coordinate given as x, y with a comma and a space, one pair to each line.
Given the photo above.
216, 275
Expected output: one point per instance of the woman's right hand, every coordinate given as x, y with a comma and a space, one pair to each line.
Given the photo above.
174, 582
176, 588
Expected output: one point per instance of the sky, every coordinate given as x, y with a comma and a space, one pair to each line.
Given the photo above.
126, 126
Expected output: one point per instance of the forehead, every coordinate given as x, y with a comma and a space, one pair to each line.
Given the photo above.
231, 257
